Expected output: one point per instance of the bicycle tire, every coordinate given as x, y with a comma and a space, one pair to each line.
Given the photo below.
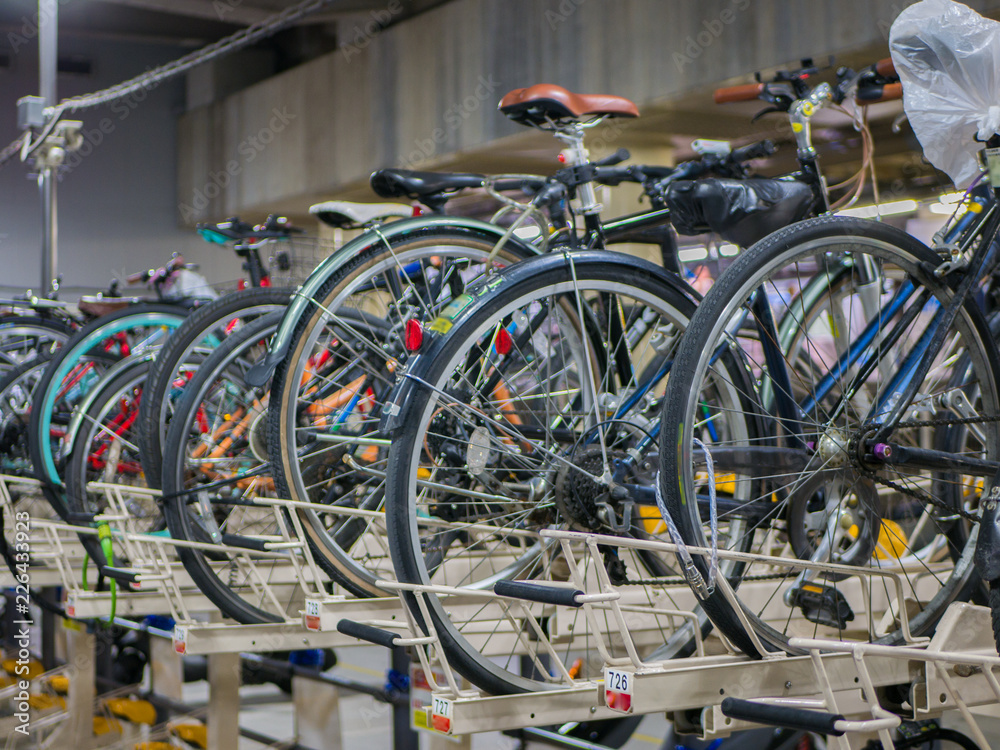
420, 497
22, 336
195, 423
83, 343
91, 444
334, 294
820, 244
243, 305
16, 389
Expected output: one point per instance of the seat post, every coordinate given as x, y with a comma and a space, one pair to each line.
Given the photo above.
578, 156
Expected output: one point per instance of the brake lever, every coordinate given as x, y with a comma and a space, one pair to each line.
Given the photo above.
767, 111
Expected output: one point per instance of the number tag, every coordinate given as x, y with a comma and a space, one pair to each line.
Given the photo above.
312, 614
618, 686
441, 714
180, 640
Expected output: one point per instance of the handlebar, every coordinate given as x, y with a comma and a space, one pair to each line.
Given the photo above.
730, 165
158, 275
524, 184
745, 93
878, 83
752, 151
233, 229
886, 67
879, 93
617, 157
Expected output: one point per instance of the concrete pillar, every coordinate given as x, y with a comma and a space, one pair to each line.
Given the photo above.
223, 702
80, 700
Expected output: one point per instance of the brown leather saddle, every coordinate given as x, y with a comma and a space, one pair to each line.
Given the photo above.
538, 104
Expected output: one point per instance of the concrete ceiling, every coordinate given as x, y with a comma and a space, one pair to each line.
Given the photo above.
190, 23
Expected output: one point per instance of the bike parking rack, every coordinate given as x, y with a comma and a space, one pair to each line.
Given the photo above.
955, 671
159, 585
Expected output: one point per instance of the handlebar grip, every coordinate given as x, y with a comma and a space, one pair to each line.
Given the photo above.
551, 193
243, 542
524, 185
746, 93
752, 151
887, 68
120, 574
617, 157
138, 278
803, 719
369, 633
887, 93
534, 592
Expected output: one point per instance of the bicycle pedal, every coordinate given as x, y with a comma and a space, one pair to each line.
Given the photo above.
823, 605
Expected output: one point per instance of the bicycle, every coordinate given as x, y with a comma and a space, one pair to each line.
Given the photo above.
839, 471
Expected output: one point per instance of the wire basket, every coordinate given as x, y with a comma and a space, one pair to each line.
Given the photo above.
291, 261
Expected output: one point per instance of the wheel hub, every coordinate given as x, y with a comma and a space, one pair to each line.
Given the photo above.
832, 448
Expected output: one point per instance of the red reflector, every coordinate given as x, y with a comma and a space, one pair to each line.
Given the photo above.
418, 210
265, 281
413, 335
503, 342
561, 157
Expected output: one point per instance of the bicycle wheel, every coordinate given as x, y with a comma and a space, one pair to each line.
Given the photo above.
328, 393
76, 368
214, 465
24, 336
818, 488
538, 409
195, 339
103, 448
16, 390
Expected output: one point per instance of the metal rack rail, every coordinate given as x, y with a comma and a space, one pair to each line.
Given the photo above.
858, 684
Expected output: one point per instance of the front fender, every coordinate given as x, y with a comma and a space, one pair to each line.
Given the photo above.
304, 297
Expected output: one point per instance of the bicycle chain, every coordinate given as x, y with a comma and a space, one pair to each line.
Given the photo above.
919, 494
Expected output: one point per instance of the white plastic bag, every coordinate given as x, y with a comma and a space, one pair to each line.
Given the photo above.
184, 283
948, 58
